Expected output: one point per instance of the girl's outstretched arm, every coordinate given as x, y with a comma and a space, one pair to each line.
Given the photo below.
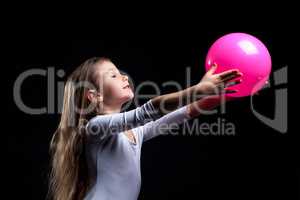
172, 120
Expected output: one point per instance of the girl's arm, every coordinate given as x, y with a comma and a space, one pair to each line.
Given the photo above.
172, 120
210, 84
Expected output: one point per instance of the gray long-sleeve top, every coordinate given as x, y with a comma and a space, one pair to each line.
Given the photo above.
114, 160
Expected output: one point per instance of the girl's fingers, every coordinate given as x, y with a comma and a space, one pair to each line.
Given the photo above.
232, 83
227, 91
223, 90
213, 68
231, 77
228, 73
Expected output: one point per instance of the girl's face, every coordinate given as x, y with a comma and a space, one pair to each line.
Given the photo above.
115, 86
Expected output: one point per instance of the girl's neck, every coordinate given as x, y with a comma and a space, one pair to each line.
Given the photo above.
108, 109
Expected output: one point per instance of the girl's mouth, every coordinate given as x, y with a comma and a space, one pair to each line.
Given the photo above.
127, 86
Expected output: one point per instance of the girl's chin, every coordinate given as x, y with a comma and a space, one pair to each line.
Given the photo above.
128, 97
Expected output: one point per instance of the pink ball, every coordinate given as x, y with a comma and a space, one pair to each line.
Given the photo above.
246, 53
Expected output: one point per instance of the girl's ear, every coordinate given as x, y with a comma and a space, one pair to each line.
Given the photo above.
94, 96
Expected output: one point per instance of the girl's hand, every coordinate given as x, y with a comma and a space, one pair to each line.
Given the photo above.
211, 84
214, 84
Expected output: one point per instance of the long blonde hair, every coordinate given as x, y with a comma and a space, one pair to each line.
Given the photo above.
69, 174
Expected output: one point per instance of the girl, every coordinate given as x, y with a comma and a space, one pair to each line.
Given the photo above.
96, 149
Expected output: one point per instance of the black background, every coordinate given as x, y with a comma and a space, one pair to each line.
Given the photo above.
257, 162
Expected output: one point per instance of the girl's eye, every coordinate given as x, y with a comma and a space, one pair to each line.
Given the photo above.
114, 76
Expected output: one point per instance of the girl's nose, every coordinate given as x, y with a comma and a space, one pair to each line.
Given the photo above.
125, 78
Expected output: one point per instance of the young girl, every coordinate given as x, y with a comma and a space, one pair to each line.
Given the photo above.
96, 149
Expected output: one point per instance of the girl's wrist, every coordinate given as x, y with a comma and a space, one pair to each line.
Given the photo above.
196, 93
